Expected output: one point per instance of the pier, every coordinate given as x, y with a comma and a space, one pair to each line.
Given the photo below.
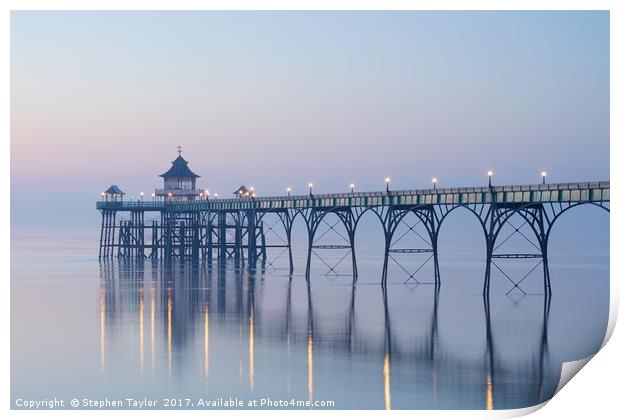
193, 225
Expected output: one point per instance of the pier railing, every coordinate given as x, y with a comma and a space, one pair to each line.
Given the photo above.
531, 193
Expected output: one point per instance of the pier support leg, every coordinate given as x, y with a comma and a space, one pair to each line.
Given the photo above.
252, 252
491, 233
287, 222
196, 230
168, 238
154, 241
101, 234
311, 232
109, 221
105, 235
141, 235
386, 259
209, 242
436, 260
237, 250
290, 252
353, 257
487, 273
547, 278
263, 245
221, 233
113, 228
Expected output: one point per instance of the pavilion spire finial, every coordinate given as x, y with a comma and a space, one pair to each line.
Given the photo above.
179, 150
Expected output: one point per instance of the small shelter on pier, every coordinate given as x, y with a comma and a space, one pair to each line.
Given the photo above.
241, 192
113, 194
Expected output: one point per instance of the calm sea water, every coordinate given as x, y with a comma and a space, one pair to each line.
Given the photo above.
121, 329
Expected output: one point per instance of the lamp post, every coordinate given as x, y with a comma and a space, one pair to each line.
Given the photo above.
544, 177
288, 191
434, 183
310, 185
152, 196
387, 184
142, 196
490, 175
103, 196
352, 186
215, 195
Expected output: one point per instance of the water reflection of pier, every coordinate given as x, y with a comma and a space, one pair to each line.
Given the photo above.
172, 312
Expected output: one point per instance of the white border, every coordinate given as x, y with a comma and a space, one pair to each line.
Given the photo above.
593, 394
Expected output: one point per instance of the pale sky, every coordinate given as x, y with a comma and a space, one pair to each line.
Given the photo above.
277, 99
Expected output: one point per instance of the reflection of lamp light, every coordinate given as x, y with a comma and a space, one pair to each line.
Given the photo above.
352, 186
434, 183
215, 195
544, 177
387, 184
490, 174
